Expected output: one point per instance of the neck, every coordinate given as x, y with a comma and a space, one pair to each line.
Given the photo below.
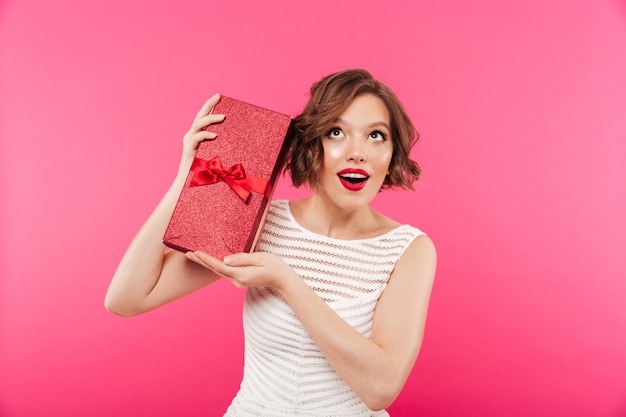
326, 218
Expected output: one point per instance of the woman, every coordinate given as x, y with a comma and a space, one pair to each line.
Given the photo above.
337, 292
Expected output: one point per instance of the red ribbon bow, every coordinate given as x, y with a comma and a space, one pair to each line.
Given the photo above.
212, 171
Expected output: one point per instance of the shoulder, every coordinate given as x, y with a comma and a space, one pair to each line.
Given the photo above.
279, 203
278, 208
422, 244
419, 258
277, 214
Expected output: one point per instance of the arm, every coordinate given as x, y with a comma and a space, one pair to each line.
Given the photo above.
148, 276
375, 369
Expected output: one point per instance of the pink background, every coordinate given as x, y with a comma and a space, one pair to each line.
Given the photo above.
522, 111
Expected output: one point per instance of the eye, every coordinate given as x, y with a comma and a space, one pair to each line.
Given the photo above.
335, 133
377, 136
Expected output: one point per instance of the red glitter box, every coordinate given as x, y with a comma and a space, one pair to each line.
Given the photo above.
224, 201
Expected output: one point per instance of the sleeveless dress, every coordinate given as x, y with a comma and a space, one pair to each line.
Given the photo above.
285, 374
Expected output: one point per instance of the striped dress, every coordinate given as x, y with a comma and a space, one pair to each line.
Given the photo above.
285, 374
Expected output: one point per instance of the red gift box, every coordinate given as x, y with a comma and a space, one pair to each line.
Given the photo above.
223, 204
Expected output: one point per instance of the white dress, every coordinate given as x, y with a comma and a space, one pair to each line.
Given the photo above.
285, 374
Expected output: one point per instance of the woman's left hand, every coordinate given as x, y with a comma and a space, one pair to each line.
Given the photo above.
257, 269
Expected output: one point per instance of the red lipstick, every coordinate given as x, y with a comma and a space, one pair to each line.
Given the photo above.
353, 179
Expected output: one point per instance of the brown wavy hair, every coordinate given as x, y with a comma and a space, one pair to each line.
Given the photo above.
330, 97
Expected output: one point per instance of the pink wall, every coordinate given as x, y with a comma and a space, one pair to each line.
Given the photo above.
522, 111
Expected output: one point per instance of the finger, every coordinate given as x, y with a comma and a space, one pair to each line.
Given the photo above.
215, 264
198, 137
207, 107
205, 262
193, 257
191, 141
242, 259
203, 122
202, 257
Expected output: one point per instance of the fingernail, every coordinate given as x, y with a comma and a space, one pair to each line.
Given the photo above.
228, 260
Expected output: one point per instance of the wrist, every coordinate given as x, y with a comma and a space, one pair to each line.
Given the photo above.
183, 169
288, 285
179, 182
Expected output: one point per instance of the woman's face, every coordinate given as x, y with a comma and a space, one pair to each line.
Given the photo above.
357, 153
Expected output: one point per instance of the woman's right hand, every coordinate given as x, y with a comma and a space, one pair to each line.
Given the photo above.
198, 133
148, 277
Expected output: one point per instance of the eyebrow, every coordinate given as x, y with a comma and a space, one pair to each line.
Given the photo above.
371, 125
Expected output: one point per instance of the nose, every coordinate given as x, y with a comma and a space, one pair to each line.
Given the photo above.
356, 151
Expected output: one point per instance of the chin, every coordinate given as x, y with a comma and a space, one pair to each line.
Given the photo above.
352, 201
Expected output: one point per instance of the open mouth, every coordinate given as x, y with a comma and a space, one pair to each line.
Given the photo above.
353, 179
